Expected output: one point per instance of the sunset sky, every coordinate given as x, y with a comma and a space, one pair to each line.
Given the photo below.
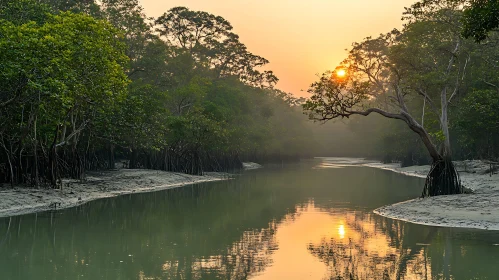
300, 38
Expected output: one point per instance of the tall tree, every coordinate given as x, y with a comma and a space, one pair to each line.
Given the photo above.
211, 42
427, 60
76, 6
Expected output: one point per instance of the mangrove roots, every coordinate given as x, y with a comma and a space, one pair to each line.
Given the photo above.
443, 179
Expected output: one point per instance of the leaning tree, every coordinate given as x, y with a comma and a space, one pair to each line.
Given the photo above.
428, 60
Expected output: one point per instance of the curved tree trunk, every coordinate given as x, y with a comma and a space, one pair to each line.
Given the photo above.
443, 178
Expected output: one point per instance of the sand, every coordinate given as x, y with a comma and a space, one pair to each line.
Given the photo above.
479, 209
21, 200
251, 165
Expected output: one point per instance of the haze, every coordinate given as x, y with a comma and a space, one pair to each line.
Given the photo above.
299, 38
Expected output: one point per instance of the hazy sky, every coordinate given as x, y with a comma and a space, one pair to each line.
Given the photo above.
300, 38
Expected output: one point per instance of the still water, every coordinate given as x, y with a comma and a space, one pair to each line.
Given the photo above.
299, 221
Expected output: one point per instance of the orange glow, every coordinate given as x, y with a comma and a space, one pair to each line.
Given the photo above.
341, 231
269, 29
341, 73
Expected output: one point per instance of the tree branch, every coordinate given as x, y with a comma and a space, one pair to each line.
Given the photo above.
74, 133
379, 111
4, 104
429, 100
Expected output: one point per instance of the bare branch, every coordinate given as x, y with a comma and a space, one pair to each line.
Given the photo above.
490, 84
4, 104
74, 133
429, 100
379, 111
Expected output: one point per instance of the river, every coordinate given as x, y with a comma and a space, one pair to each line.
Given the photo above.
308, 220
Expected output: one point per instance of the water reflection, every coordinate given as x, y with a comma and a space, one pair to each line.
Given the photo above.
245, 257
373, 248
295, 222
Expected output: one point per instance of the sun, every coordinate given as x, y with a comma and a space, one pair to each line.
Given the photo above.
341, 73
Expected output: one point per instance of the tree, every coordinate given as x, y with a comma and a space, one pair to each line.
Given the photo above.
210, 41
55, 80
481, 18
477, 120
128, 16
76, 92
23, 11
76, 6
426, 60
478, 124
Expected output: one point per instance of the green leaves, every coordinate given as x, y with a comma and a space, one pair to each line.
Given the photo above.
23, 11
71, 62
480, 19
74, 86
209, 40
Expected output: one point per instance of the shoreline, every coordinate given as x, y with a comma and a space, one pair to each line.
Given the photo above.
476, 210
105, 184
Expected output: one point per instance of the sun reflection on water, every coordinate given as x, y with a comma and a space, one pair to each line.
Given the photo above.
341, 231
358, 245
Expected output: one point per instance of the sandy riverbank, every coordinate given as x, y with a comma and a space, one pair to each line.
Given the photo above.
251, 165
20, 201
479, 209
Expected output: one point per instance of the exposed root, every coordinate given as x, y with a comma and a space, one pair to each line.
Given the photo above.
443, 179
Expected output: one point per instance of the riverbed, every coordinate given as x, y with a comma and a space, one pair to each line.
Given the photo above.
310, 220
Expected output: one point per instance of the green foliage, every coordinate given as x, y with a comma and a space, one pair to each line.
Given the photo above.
425, 58
78, 91
23, 11
478, 124
76, 6
55, 77
211, 43
481, 18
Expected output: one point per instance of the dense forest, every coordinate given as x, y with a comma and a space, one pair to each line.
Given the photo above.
87, 83
90, 84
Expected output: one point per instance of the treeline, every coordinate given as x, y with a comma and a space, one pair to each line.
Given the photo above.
87, 83
433, 70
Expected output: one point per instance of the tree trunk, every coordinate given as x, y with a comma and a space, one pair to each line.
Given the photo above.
11, 168
53, 165
133, 159
443, 178
35, 151
111, 161
423, 134
444, 123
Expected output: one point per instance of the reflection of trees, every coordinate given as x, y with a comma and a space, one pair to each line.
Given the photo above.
378, 248
346, 261
217, 230
250, 255
226, 230
411, 242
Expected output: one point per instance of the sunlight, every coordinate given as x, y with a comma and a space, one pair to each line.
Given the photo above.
341, 73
